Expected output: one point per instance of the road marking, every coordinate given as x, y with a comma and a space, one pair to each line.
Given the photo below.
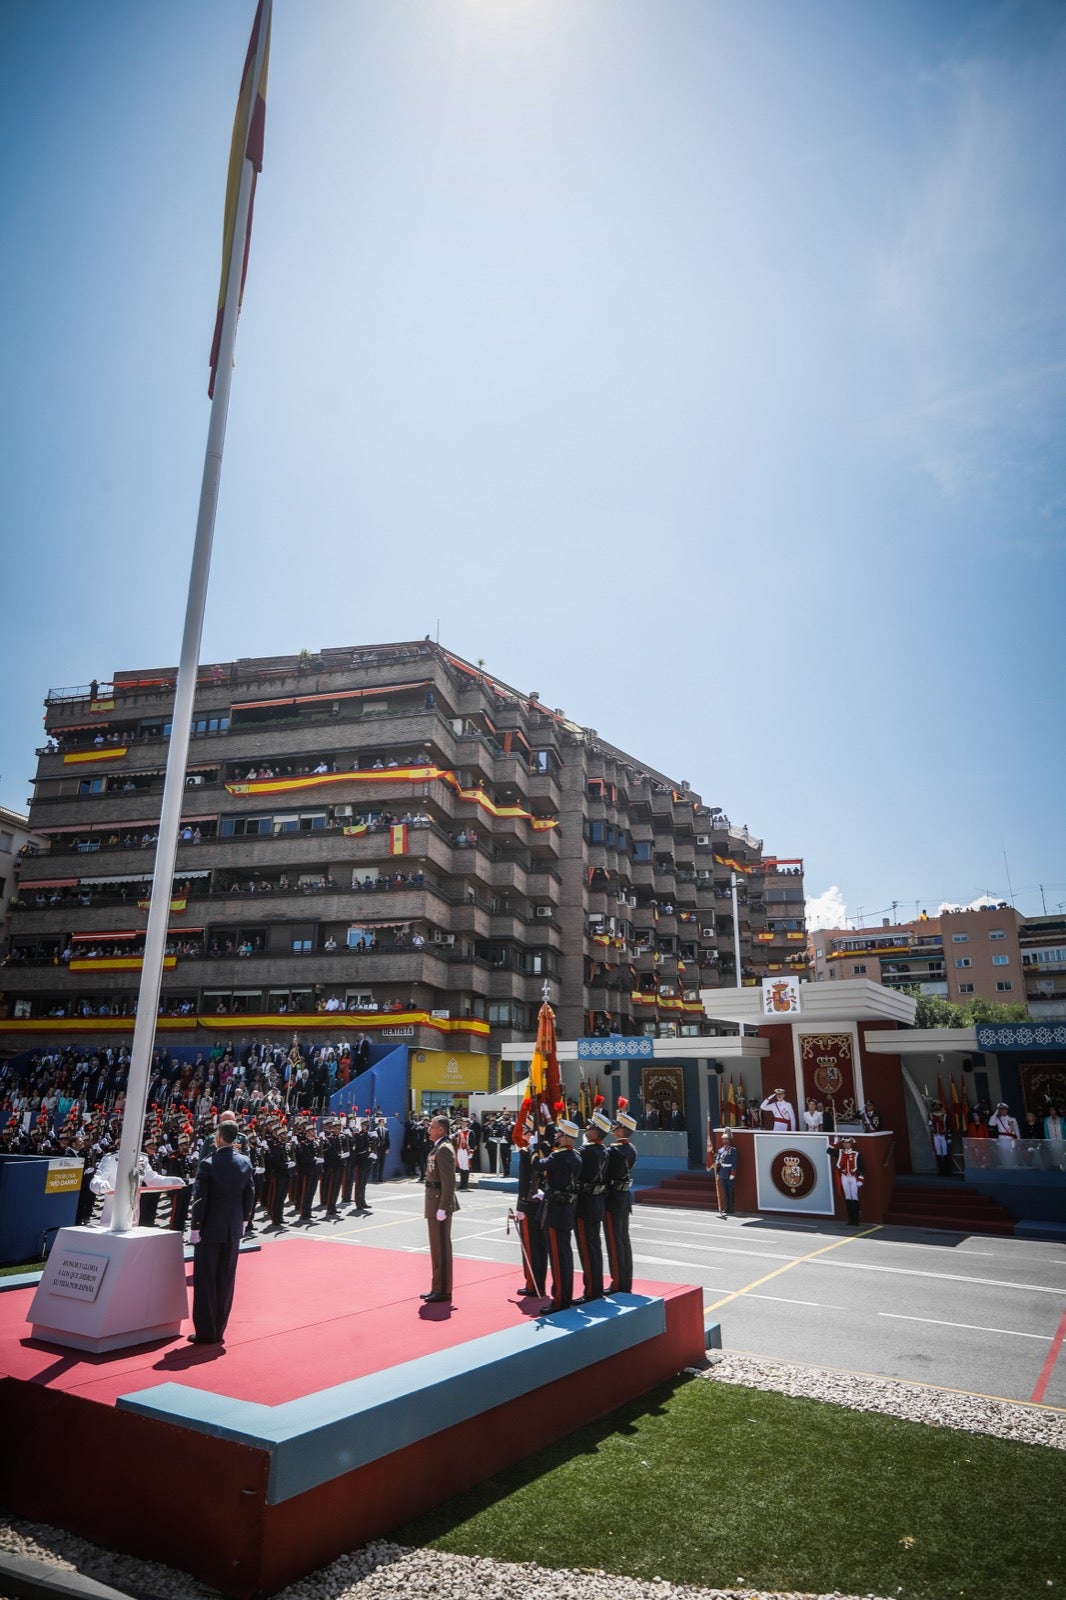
974, 1327
1049, 1365
941, 1277
848, 1239
781, 1299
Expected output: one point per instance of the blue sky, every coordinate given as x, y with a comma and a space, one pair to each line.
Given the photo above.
700, 365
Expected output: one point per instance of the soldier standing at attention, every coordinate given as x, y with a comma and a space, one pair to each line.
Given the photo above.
621, 1158
440, 1203
590, 1204
562, 1180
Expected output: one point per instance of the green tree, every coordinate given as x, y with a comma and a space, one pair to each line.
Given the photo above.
933, 1012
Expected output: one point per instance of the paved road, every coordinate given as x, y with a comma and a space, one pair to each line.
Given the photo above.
984, 1315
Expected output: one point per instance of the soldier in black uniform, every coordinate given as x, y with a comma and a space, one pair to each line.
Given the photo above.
590, 1205
332, 1168
619, 1201
276, 1165
347, 1163
530, 1208
361, 1153
562, 1178
306, 1171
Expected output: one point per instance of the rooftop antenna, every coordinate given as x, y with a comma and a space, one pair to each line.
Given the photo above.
1006, 866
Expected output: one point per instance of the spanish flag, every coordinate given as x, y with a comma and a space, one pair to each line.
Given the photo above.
398, 839
249, 126
731, 1104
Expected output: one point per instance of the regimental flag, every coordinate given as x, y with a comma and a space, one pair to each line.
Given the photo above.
940, 1092
957, 1120
398, 839
249, 127
731, 1104
545, 1088
355, 829
709, 1158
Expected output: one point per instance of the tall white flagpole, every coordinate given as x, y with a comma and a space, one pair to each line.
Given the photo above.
184, 695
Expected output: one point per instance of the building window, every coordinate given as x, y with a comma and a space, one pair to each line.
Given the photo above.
1004, 985
966, 988
960, 938
859, 972
1001, 961
997, 933
963, 961
500, 1015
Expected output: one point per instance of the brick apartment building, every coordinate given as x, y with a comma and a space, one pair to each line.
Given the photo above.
991, 952
385, 839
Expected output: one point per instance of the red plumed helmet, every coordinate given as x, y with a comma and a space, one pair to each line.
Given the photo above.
623, 1103
597, 1101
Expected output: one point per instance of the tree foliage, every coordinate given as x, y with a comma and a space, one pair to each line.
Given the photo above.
933, 1012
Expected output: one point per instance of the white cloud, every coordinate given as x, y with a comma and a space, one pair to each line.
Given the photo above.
827, 910
982, 902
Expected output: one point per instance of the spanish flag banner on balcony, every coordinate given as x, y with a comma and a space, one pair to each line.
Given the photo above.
796, 938
764, 938
734, 866
355, 829
398, 839
102, 705
180, 904
114, 963
85, 758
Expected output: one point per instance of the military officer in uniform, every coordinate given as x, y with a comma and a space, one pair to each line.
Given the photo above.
590, 1204
440, 1204
562, 1180
849, 1167
530, 1209
725, 1172
621, 1158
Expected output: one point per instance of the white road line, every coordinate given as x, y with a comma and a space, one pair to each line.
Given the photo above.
818, 1305
974, 1327
941, 1277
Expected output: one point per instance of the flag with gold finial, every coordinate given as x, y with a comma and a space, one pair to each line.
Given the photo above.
544, 1085
709, 1159
249, 126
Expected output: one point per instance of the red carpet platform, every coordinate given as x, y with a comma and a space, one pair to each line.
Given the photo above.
340, 1406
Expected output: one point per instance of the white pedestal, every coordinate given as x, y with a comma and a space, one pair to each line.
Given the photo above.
106, 1291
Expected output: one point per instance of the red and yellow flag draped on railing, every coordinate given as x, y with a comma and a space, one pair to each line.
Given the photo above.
249, 127
381, 775
84, 758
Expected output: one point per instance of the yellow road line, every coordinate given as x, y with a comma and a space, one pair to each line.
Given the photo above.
798, 1262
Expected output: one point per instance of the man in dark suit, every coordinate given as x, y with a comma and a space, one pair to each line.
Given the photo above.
222, 1206
440, 1203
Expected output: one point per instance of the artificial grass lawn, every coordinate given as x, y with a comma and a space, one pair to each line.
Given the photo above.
718, 1486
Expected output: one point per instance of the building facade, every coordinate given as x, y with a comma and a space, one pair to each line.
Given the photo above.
384, 839
991, 952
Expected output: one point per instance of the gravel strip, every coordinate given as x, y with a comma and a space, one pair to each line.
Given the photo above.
383, 1571
940, 1408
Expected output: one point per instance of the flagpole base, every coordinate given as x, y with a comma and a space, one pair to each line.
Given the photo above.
105, 1291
